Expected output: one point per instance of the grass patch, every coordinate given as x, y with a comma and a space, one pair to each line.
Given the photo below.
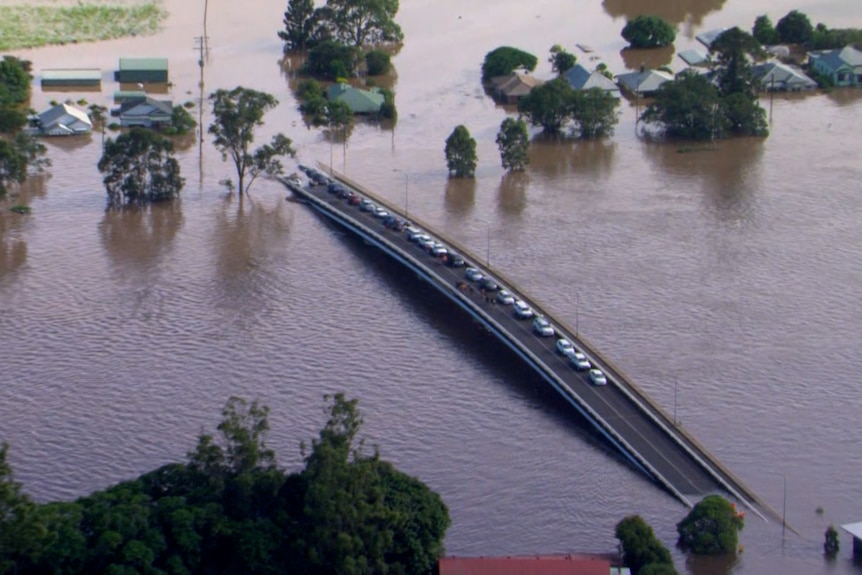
19, 209
32, 26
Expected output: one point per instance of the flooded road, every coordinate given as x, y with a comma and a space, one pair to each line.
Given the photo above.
724, 280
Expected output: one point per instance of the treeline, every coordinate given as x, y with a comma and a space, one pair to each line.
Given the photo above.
796, 28
230, 509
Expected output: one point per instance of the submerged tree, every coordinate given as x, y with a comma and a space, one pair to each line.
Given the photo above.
19, 155
646, 31
236, 113
504, 60
548, 105
561, 60
831, 545
140, 168
711, 527
640, 547
299, 24
461, 153
594, 112
795, 28
764, 32
514, 144
361, 22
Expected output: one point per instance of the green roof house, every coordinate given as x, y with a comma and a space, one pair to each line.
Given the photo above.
142, 70
360, 101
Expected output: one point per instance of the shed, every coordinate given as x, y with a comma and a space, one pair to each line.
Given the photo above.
526, 565
62, 120
580, 78
142, 70
71, 77
855, 529
643, 83
360, 101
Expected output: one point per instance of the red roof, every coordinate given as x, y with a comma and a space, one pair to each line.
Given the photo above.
526, 565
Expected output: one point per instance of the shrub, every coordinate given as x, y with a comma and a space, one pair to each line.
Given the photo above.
377, 62
309, 89
388, 110
504, 60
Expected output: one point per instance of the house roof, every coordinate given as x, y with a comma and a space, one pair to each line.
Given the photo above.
839, 58
54, 113
360, 101
516, 85
163, 106
693, 57
121, 95
646, 81
528, 565
148, 64
710, 36
854, 529
71, 74
777, 73
580, 78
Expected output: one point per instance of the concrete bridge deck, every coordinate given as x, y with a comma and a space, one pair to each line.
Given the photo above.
620, 411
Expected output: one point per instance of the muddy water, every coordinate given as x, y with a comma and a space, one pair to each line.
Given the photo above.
728, 273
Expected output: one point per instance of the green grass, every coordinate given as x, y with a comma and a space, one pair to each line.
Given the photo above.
28, 26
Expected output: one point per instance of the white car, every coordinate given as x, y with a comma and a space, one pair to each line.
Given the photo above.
367, 206
473, 274
380, 213
439, 250
542, 327
505, 297
413, 233
565, 347
579, 361
522, 310
597, 377
426, 242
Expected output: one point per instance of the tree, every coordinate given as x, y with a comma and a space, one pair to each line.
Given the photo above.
99, 116
140, 168
332, 59
11, 120
594, 112
648, 32
19, 154
21, 532
743, 116
561, 60
504, 60
687, 108
740, 108
711, 527
461, 153
514, 144
14, 81
377, 62
362, 22
795, 28
236, 113
299, 25
764, 32
548, 105
640, 547
832, 544
182, 122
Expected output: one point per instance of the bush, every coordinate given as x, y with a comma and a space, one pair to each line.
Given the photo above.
388, 110
640, 546
308, 90
331, 59
504, 60
377, 62
711, 528
649, 32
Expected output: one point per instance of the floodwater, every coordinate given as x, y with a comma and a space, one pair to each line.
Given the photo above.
724, 280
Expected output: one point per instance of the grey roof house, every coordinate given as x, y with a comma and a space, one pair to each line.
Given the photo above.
710, 36
145, 112
694, 57
843, 66
360, 101
512, 88
778, 77
580, 78
61, 120
142, 70
644, 83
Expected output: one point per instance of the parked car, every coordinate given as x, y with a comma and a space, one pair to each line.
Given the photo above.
488, 284
579, 361
380, 213
522, 310
473, 275
505, 297
367, 206
334, 188
543, 327
454, 260
597, 377
413, 233
426, 242
565, 347
439, 250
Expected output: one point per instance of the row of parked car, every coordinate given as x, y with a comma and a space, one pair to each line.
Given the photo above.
486, 284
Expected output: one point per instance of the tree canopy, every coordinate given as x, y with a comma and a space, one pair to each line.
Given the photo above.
548, 105
332, 59
795, 28
686, 108
594, 113
561, 60
140, 168
14, 81
19, 154
764, 32
711, 527
642, 551
505, 60
555, 104
229, 509
299, 26
460, 151
514, 144
648, 32
236, 114
356, 23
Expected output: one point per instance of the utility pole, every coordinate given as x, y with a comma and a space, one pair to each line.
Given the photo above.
202, 46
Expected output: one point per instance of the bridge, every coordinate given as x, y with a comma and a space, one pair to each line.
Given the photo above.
620, 411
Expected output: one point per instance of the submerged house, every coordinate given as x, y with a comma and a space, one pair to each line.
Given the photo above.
61, 120
842, 66
360, 101
710, 36
512, 88
143, 70
643, 83
71, 78
778, 77
145, 112
580, 78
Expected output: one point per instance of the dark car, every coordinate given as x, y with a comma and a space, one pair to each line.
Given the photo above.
454, 260
488, 284
334, 188
354, 200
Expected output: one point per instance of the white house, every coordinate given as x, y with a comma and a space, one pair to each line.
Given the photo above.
62, 120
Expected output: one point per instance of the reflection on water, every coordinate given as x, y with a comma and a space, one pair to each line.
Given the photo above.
711, 565
845, 96
674, 11
512, 193
647, 59
460, 195
13, 246
140, 236
556, 158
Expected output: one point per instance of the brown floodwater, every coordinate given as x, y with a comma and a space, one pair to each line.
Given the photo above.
725, 279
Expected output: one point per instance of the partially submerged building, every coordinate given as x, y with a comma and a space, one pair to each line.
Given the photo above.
360, 101
842, 66
61, 120
512, 88
71, 78
142, 71
580, 78
779, 77
145, 112
531, 565
643, 83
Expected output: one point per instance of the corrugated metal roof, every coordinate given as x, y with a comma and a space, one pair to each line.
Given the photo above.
148, 64
129, 95
528, 565
580, 78
70, 74
360, 101
644, 82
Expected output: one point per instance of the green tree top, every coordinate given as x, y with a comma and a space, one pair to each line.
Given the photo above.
460, 151
640, 547
505, 60
764, 32
649, 32
514, 144
561, 60
549, 105
14, 81
795, 28
711, 527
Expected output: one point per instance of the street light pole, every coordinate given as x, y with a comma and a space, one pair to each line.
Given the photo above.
675, 386
577, 311
488, 247
406, 196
